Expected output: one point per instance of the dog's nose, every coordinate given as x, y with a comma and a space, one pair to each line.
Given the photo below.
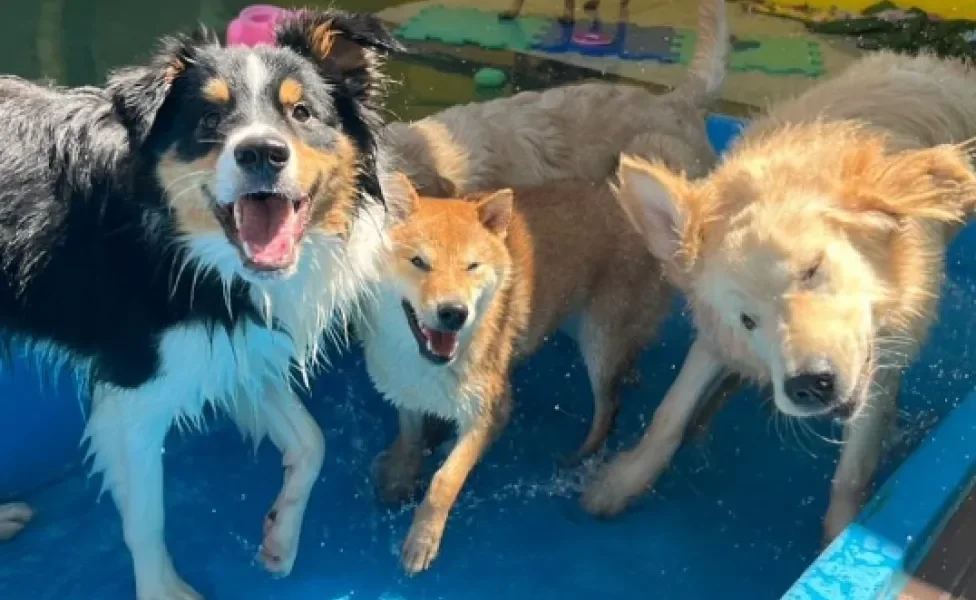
262, 152
813, 387
452, 316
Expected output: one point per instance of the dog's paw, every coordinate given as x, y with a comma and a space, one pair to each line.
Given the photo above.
397, 476
421, 547
168, 587
13, 518
613, 488
839, 516
279, 548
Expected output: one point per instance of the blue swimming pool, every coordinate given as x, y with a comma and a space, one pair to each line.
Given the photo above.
737, 517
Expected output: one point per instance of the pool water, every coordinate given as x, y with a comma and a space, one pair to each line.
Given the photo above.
737, 517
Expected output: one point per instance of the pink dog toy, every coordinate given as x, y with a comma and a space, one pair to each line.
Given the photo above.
255, 25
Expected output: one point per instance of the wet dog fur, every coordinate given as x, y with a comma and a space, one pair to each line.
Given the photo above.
182, 238
474, 284
568, 133
812, 259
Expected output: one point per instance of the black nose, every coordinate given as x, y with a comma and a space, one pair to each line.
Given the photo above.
812, 388
261, 152
452, 316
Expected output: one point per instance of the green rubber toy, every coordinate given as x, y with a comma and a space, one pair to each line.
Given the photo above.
488, 77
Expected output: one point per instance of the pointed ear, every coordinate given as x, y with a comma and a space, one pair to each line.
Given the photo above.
401, 198
495, 211
935, 183
138, 93
663, 208
347, 48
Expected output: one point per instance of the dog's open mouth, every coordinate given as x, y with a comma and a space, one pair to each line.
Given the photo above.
439, 347
267, 228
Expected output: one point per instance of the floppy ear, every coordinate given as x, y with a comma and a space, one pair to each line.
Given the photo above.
348, 48
401, 198
663, 207
934, 183
495, 211
138, 93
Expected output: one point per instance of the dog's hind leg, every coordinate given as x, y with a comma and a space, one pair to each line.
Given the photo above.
126, 434
280, 414
613, 331
513, 12
13, 517
864, 438
633, 472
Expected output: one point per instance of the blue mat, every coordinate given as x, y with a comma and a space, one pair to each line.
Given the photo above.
739, 516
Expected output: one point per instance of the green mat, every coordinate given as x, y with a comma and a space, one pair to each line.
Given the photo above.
459, 26
772, 55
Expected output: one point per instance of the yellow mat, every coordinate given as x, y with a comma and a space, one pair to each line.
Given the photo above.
949, 9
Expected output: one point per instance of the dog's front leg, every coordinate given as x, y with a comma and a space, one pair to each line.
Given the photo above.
13, 517
424, 540
126, 433
633, 472
864, 438
398, 467
296, 434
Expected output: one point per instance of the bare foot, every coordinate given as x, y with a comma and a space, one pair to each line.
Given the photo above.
423, 542
566, 19
13, 518
507, 15
614, 487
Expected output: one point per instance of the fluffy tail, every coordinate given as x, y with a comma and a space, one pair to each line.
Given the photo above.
707, 70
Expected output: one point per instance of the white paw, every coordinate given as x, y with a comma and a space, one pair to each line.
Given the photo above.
13, 518
157, 580
171, 587
279, 549
614, 487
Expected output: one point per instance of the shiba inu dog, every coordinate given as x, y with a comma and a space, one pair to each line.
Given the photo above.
812, 258
473, 284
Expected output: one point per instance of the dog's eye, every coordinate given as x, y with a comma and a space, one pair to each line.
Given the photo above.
210, 121
474, 266
300, 113
811, 271
748, 322
420, 263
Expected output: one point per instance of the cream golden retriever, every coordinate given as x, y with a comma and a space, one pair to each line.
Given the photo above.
574, 132
812, 259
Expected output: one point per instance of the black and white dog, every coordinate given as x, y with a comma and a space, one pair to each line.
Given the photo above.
184, 236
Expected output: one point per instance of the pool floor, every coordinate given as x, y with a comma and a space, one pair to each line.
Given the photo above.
739, 516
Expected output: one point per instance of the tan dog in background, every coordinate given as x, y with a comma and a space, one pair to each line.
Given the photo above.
474, 284
575, 132
812, 259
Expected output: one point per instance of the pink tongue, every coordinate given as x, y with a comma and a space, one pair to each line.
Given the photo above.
269, 230
442, 343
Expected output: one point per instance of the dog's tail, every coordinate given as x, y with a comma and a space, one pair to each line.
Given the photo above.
708, 65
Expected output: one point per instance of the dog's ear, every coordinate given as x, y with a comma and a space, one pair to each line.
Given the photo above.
401, 197
495, 211
664, 207
933, 183
138, 93
347, 48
